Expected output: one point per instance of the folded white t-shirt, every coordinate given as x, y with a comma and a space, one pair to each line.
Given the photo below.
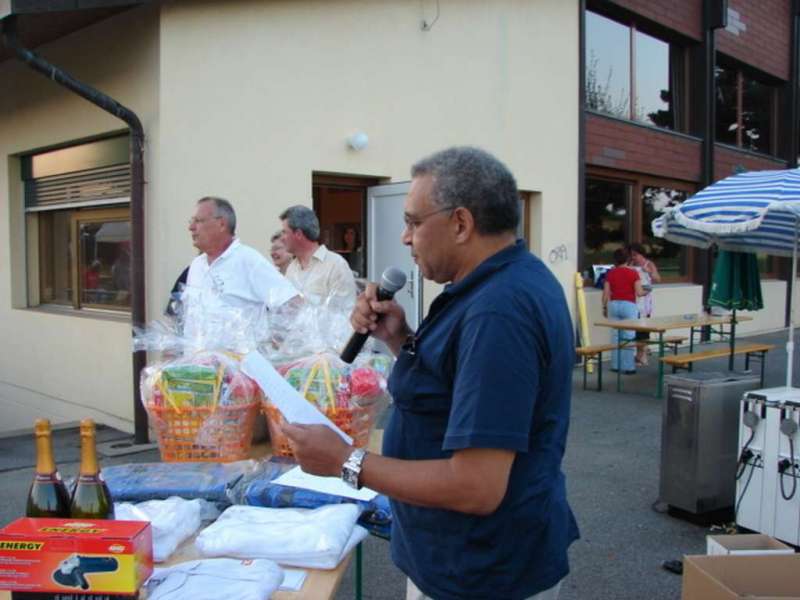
215, 579
171, 521
298, 537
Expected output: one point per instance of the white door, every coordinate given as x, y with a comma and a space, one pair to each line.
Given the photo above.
384, 248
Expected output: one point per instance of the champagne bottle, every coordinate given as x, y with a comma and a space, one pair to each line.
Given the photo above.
48, 496
91, 499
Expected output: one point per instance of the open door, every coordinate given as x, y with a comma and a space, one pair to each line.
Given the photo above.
384, 248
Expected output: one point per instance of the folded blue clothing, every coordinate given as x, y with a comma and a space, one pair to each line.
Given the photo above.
242, 482
137, 482
376, 515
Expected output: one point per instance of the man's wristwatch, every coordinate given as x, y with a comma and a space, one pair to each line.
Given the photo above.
351, 468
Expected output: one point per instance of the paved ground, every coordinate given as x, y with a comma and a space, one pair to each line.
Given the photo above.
612, 475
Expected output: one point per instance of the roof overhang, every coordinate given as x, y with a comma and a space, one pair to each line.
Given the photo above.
42, 21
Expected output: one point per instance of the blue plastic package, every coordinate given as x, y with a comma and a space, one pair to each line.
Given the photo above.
137, 482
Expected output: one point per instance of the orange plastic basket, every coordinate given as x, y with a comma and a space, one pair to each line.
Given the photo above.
204, 434
356, 422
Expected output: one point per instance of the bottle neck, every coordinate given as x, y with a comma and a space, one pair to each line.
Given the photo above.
45, 464
88, 456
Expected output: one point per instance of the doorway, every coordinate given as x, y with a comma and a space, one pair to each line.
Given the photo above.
340, 202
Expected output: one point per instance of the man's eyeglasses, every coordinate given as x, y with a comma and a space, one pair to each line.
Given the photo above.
196, 221
412, 222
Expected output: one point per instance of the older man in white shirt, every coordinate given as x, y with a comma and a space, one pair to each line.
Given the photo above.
317, 272
228, 274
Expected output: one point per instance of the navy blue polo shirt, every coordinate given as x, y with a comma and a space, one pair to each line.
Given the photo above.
491, 367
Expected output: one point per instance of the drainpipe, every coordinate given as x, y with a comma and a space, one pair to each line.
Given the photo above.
715, 16
794, 128
108, 104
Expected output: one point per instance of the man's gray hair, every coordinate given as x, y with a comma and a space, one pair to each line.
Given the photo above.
472, 178
302, 218
224, 209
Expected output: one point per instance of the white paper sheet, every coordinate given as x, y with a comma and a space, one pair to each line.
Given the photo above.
294, 407
329, 485
293, 580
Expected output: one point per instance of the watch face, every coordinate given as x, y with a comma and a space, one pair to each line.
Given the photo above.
350, 477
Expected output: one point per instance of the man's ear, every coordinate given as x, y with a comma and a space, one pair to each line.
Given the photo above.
464, 224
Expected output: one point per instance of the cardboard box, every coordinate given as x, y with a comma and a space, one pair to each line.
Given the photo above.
732, 577
69, 556
745, 544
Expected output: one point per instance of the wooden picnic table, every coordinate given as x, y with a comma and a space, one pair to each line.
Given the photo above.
661, 325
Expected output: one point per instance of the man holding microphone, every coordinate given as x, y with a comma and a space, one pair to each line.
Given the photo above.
472, 452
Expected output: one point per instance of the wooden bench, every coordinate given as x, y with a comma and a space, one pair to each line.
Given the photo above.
673, 341
755, 351
594, 352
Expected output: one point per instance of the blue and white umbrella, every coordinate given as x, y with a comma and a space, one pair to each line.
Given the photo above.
756, 211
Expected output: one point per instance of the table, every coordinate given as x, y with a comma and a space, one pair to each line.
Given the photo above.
319, 584
660, 325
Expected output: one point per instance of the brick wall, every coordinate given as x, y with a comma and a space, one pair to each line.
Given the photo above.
619, 145
685, 16
759, 34
728, 161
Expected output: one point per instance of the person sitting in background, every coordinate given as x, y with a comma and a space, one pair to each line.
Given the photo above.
91, 281
278, 252
621, 289
648, 274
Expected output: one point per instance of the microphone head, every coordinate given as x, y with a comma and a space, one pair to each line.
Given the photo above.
393, 279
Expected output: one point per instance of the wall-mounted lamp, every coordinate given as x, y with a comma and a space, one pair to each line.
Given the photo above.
358, 140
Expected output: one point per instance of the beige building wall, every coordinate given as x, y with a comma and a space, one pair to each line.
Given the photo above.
53, 363
258, 95
246, 99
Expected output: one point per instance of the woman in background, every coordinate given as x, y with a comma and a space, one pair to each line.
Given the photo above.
279, 254
621, 289
352, 251
648, 275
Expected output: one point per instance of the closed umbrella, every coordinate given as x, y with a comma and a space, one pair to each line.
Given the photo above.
736, 285
756, 211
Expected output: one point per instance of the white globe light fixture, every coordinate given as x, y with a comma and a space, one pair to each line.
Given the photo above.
358, 141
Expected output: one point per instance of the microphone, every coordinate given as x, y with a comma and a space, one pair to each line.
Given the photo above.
391, 281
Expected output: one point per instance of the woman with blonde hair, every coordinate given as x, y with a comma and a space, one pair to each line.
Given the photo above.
279, 254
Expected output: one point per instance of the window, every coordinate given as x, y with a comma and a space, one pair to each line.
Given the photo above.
620, 211
670, 258
746, 110
630, 74
76, 200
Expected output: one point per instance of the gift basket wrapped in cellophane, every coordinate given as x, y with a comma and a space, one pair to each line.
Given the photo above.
350, 395
201, 404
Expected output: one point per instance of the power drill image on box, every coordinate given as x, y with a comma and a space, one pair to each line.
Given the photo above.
73, 570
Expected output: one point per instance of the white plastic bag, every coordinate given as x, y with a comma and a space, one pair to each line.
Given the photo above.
172, 521
215, 579
315, 539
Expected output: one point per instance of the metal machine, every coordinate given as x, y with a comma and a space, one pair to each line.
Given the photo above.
699, 439
768, 494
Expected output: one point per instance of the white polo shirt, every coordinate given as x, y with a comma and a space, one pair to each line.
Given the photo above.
239, 278
327, 275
